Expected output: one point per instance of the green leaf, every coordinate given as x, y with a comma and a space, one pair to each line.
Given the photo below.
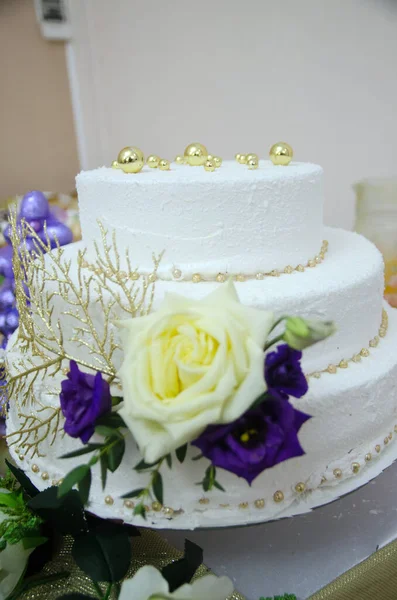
72, 478
181, 571
134, 493
33, 542
140, 510
112, 420
107, 431
103, 554
84, 486
66, 514
218, 486
168, 458
104, 469
142, 465
116, 400
23, 480
85, 450
157, 486
198, 457
11, 500
115, 455
181, 453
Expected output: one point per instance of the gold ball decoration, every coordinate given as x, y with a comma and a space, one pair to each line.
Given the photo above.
217, 161
355, 467
168, 511
196, 278
156, 506
259, 503
176, 273
180, 160
252, 157
35, 469
243, 505
300, 487
115, 164
153, 161
204, 501
368, 457
242, 159
278, 496
196, 154
221, 277
338, 473
164, 165
281, 154
209, 165
45, 476
131, 159
109, 500
129, 504
253, 163
237, 157
377, 448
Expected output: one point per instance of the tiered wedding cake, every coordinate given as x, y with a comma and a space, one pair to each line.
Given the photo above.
262, 229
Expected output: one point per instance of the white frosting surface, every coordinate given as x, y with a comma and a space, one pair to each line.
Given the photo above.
346, 287
233, 219
353, 412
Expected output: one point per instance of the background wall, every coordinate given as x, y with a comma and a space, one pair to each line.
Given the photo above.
37, 138
239, 76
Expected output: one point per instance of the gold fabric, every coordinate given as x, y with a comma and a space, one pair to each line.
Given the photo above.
373, 579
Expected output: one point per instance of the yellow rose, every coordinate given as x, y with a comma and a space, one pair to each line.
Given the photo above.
190, 364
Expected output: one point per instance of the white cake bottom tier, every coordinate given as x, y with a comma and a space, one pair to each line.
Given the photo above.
347, 287
350, 439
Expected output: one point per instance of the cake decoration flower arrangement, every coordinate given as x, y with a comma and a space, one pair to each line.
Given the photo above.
211, 373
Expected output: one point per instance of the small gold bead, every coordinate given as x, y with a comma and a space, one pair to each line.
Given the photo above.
355, 467
373, 343
153, 161
134, 276
167, 510
209, 165
395, 428
252, 156
322, 255
54, 482
217, 161
300, 487
386, 441
368, 457
237, 157
343, 364
281, 154
180, 160
21, 457
382, 332
260, 503
259, 276
156, 506
210, 157
275, 273
316, 375
129, 504
300, 268
224, 505
356, 358
240, 277
35, 469
311, 263
221, 277
243, 505
176, 273
242, 159
109, 500
377, 448
252, 163
288, 270
318, 259
204, 501
196, 278
323, 479
278, 496
331, 369
45, 476
337, 473
164, 165
390, 436
152, 278
115, 164
364, 352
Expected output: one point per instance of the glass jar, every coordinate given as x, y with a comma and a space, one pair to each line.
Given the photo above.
376, 219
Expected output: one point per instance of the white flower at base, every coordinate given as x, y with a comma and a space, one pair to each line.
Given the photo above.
148, 583
190, 364
12, 562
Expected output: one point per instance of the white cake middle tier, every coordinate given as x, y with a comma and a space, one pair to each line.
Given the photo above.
347, 288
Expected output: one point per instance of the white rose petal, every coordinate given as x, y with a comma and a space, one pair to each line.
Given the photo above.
191, 364
149, 583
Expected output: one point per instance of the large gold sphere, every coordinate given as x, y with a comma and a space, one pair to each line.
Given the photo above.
281, 154
196, 154
131, 159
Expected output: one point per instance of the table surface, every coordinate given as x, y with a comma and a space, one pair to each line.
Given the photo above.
302, 554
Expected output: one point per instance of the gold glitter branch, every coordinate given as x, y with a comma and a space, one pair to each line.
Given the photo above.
48, 339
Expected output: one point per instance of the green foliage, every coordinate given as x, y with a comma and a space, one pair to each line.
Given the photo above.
8, 482
181, 453
209, 481
20, 522
284, 597
181, 571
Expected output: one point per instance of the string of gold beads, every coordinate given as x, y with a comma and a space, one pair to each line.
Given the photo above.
280, 154
356, 358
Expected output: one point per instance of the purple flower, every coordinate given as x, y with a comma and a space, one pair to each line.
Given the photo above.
283, 373
84, 398
261, 438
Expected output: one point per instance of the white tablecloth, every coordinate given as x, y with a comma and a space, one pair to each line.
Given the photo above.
302, 554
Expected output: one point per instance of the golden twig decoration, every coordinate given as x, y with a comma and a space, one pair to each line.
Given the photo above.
66, 314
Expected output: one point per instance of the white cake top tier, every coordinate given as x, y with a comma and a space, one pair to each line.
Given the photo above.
232, 220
